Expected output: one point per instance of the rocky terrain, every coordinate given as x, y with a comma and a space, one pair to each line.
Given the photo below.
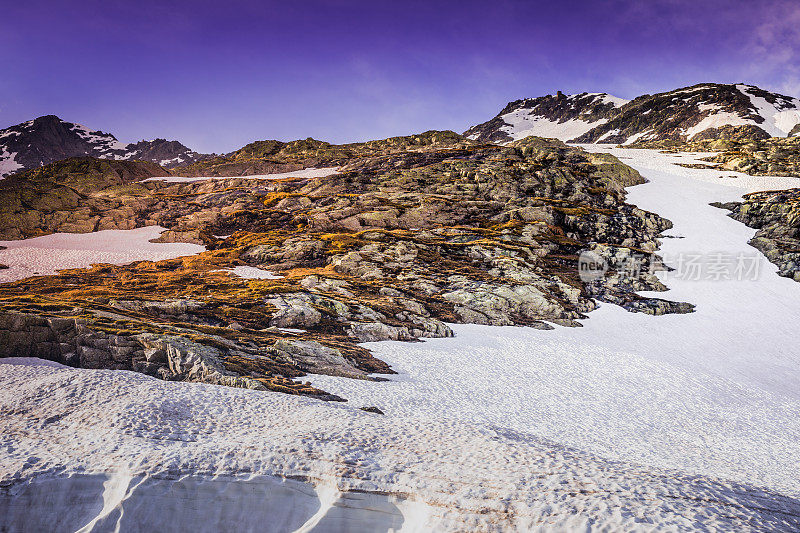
776, 215
690, 113
412, 233
48, 139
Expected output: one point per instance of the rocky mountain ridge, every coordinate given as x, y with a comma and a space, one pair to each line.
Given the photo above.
689, 113
48, 139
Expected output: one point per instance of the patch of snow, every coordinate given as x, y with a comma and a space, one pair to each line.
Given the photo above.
610, 99
636, 136
105, 142
8, 164
607, 134
305, 173
521, 124
717, 120
50, 253
778, 122
249, 272
30, 361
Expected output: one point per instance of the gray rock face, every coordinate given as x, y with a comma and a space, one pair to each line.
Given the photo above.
73, 342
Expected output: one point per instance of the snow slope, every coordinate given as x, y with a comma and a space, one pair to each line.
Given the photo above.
47, 254
104, 450
779, 117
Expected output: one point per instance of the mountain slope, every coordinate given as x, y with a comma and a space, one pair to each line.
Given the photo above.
48, 139
561, 117
707, 110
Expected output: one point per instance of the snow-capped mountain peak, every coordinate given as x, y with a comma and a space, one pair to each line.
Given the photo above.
560, 116
48, 138
700, 111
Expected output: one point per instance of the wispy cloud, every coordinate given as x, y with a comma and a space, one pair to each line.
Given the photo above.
773, 49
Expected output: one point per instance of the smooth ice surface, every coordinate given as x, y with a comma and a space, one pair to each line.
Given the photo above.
305, 173
47, 254
714, 392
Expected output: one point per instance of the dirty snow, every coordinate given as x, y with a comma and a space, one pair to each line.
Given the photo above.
305, 173
47, 254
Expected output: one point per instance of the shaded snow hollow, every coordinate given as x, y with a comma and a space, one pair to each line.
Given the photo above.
632, 422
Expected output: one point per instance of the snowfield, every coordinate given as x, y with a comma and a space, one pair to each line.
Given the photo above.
630, 423
104, 450
50, 253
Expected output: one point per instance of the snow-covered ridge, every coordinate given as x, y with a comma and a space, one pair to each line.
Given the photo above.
561, 116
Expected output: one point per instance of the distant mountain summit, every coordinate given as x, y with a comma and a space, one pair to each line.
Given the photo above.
707, 110
47, 139
557, 116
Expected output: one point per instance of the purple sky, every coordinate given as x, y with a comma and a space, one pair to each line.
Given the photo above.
218, 74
